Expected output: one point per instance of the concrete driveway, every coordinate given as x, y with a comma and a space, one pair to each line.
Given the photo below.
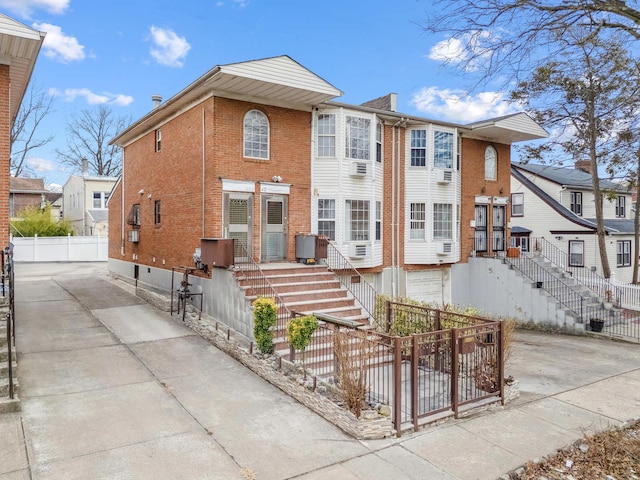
112, 388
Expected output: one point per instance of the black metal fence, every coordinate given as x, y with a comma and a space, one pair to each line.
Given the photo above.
7, 286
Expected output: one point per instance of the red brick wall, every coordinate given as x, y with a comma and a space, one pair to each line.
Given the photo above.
5, 160
472, 173
175, 177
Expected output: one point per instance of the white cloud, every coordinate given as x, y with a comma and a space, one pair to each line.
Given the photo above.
54, 187
470, 50
169, 49
92, 98
58, 46
42, 165
24, 8
457, 106
241, 3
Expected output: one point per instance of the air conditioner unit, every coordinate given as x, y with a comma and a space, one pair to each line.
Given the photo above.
444, 248
357, 251
358, 169
134, 236
445, 176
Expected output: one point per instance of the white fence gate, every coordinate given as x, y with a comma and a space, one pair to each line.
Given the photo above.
60, 249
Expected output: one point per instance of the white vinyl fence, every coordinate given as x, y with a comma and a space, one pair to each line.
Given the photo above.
60, 249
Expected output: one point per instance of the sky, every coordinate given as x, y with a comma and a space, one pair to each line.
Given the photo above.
119, 53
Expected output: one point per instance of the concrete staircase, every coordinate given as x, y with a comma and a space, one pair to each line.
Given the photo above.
307, 289
7, 404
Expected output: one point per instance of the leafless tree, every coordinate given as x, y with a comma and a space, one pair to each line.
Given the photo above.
36, 105
88, 136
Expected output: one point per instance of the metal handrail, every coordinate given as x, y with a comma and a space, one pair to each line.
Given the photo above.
259, 283
590, 279
351, 279
7, 272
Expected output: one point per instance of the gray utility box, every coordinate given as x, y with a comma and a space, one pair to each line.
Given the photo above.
305, 246
217, 252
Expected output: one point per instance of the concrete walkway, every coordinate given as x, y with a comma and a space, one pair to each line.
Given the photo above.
113, 389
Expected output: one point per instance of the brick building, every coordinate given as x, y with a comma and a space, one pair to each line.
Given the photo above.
259, 151
19, 48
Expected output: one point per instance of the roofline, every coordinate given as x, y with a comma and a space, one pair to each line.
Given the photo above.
621, 189
554, 204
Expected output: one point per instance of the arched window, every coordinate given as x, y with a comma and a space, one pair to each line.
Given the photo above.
490, 163
256, 135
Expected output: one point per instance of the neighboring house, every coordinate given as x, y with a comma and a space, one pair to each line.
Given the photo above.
54, 200
85, 203
558, 204
19, 49
25, 192
258, 151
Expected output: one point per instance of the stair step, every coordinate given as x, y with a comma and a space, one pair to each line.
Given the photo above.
307, 295
4, 368
4, 387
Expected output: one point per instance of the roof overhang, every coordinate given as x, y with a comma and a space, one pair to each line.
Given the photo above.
277, 81
19, 48
518, 127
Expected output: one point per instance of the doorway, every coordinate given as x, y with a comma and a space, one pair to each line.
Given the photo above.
274, 228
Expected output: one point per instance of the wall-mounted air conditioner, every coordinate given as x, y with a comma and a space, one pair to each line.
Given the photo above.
444, 248
444, 176
134, 236
358, 169
357, 251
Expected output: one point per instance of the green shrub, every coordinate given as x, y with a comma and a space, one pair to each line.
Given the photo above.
33, 220
299, 333
265, 314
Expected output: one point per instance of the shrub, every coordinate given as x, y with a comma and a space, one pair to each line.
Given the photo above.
34, 220
299, 333
353, 351
265, 314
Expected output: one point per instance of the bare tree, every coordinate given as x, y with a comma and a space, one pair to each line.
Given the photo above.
584, 96
507, 38
88, 136
36, 105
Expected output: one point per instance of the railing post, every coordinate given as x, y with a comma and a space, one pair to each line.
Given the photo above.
415, 410
454, 371
397, 386
500, 354
387, 316
10, 355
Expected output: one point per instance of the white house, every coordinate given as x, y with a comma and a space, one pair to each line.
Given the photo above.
558, 205
85, 203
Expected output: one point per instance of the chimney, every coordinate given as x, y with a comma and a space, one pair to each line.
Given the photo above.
156, 99
85, 167
583, 166
393, 102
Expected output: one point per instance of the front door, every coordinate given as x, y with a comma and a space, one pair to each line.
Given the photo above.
274, 228
238, 212
480, 234
498, 228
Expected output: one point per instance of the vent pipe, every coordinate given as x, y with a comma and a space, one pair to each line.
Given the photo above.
157, 100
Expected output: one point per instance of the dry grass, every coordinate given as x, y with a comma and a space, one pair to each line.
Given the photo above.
614, 453
353, 351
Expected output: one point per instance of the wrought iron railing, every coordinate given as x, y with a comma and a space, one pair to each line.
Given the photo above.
585, 276
8, 287
362, 291
258, 284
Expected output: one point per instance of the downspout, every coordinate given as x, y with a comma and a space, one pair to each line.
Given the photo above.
122, 210
203, 169
393, 207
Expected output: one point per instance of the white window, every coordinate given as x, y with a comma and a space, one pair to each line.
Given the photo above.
442, 149
442, 221
326, 135
358, 138
417, 222
623, 257
158, 140
379, 131
327, 218
418, 148
576, 253
517, 204
256, 135
490, 163
100, 199
357, 220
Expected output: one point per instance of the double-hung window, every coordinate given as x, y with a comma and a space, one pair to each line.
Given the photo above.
517, 204
326, 135
442, 221
576, 253
418, 220
442, 149
357, 220
623, 250
158, 140
418, 148
100, 199
576, 203
621, 205
358, 138
256, 135
156, 212
379, 132
327, 218
378, 220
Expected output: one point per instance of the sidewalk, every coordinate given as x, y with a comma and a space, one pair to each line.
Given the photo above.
112, 388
